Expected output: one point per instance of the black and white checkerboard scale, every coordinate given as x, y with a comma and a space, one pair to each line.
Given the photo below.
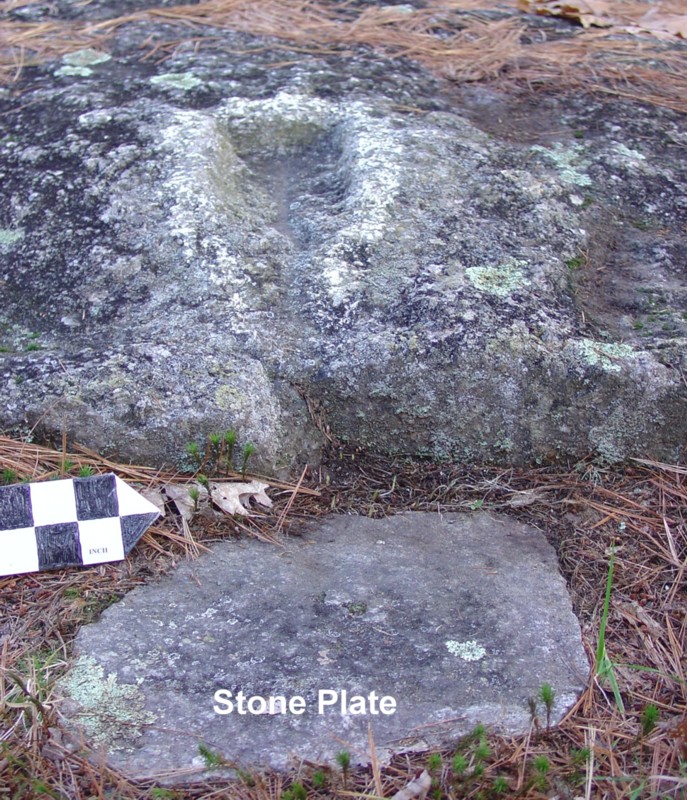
74, 522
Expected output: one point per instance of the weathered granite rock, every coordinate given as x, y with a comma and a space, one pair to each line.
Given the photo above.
459, 618
202, 246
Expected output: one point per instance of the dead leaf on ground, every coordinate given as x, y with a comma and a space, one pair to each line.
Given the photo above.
234, 498
587, 12
681, 736
660, 23
525, 498
417, 789
179, 495
155, 497
635, 614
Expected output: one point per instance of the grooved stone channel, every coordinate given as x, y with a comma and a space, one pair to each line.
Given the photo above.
228, 246
458, 617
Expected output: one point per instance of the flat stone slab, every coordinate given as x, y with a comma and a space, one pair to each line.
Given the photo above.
422, 625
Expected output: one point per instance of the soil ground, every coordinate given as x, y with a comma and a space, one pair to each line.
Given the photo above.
616, 745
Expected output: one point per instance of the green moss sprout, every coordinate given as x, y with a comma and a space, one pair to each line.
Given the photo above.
248, 451
547, 696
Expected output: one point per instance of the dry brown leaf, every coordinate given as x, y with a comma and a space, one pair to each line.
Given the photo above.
587, 12
525, 498
657, 23
155, 497
234, 498
417, 789
681, 736
634, 613
179, 495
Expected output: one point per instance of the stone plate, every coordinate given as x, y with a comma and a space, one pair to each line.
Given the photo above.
422, 625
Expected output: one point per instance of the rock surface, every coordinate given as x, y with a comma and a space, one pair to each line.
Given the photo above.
211, 244
459, 618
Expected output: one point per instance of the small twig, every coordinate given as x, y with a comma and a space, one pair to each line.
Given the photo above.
287, 507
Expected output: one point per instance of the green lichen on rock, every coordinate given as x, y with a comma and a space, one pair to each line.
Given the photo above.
85, 58
10, 236
500, 280
568, 161
112, 714
79, 63
74, 72
177, 80
626, 152
606, 444
468, 651
229, 398
606, 355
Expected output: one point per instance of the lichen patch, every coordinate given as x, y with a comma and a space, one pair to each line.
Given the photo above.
606, 355
568, 161
468, 651
111, 713
177, 80
10, 236
500, 280
85, 58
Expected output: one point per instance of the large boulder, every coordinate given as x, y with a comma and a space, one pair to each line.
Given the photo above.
338, 245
